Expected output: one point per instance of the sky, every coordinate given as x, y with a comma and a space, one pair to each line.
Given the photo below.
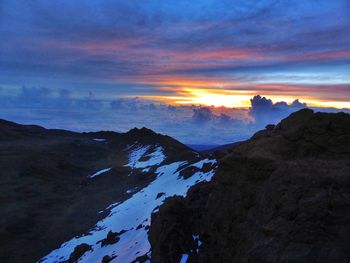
171, 56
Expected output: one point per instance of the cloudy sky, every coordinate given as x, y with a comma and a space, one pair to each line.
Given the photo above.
178, 53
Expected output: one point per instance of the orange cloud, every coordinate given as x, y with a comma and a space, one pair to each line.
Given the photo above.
188, 93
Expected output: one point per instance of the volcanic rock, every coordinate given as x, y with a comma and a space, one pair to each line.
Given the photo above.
282, 196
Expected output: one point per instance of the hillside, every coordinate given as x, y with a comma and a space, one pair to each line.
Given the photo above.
282, 196
58, 186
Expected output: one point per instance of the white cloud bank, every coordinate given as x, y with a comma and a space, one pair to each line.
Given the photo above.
188, 124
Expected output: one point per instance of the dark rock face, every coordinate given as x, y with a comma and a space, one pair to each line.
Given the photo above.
174, 226
106, 259
111, 238
189, 171
142, 259
159, 195
282, 196
169, 223
78, 252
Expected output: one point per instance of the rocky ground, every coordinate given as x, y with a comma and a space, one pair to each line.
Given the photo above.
46, 194
282, 196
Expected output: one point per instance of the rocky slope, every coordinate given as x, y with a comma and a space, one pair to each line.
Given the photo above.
86, 197
282, 196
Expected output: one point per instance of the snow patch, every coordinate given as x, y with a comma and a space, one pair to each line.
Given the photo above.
155, 157
99, 140
184, 258
199, 243
133, 215
131, 190
201, 163
100, 172
196, 238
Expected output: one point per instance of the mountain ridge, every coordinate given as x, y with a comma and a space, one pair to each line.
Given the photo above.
282, 196
54, 182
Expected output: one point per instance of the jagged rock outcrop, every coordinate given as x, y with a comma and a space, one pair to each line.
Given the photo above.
282, 196
78, 252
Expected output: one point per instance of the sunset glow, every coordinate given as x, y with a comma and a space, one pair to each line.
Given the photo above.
136, 57
215, 98
235, 99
